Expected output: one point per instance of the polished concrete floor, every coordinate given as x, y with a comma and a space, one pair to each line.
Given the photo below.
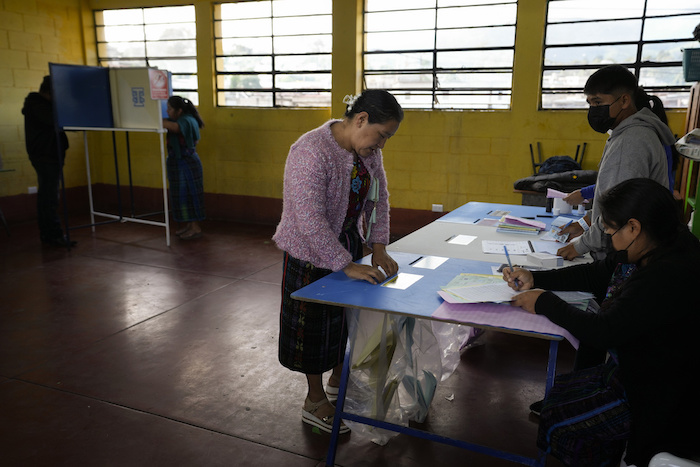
126, 352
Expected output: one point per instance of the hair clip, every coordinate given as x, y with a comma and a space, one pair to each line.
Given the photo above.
350, 101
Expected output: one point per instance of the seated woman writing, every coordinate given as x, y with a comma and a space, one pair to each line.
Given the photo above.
645, 397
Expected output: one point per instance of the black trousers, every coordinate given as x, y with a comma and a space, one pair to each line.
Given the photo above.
48, 174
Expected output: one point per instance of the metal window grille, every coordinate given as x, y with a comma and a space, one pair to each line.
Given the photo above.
647, 36
273, 53
441, 54
162, 37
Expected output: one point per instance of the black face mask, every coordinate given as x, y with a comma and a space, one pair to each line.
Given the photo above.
599, 117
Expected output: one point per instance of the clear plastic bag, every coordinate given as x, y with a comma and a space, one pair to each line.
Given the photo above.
397, 363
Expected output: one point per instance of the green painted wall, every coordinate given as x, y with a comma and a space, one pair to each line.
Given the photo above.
437, 157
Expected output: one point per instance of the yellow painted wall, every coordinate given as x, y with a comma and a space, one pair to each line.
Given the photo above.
437, 157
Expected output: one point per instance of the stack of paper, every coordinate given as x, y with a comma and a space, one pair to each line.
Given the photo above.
519, 225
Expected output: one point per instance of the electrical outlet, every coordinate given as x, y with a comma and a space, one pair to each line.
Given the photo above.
437, 207
31, 190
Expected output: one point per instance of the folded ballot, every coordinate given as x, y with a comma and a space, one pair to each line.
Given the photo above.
519, 225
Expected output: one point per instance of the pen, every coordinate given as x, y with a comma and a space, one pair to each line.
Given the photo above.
510, 265
544, 215
567, 224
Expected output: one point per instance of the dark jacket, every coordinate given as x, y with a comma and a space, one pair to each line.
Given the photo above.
39, 129
653, 324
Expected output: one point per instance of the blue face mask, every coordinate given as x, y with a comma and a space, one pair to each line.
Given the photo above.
599, 117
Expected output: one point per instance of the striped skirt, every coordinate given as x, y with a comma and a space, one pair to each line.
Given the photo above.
312, 335
585, 418
186, 181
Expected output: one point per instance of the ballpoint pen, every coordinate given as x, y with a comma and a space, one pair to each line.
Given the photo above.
567, 224
510, 265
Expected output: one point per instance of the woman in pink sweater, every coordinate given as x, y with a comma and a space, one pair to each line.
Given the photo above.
335, 198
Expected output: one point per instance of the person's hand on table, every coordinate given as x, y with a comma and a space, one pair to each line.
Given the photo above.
365, 272
568, 252
526, 300
518, 278
574, 198
574, 230
380, 258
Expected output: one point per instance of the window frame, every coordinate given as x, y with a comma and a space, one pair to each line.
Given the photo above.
436, 91
276, 91
635, 67
148, 61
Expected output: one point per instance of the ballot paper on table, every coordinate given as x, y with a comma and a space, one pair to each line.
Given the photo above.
553, 234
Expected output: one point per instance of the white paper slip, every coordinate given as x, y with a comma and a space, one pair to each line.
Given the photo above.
514, 247
461, 239
428, 262
496, 293
402, 280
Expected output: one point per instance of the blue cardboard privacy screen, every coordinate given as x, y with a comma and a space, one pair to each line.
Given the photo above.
81, 96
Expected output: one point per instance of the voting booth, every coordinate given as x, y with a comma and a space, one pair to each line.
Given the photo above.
88, 99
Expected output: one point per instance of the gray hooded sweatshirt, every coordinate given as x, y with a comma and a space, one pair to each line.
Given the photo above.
635, 149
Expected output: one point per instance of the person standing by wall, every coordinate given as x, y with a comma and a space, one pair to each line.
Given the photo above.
47, 151
184, 168
335, 197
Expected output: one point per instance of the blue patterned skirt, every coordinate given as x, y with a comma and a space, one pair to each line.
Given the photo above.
186, 182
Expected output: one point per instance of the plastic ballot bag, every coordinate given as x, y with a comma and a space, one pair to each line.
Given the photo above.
397, 363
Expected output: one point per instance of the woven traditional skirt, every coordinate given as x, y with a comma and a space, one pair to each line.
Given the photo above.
186, 181
585, 418
312, 335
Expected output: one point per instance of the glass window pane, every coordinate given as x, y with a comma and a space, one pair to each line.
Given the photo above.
160, 32
475, 80
122, 33
171, 49
244, 99
475, 59
492, 15
244, 63
259, 81
583, 10
259, 9
123, 63
665, 51
400, 20
400, 81
184, 81
302, 24
303, 63
563, 100
262, 45
472, 101
247, 28
188, 65
663, 76
385, 5
134, 16
674, 27
673, 99
594, 33
303, 81
121, 49
569, 79
303, 99
308, 44
399, 61
446, 3
406, 40
169, 15
301, 7
476, 37
666, 7
593, 55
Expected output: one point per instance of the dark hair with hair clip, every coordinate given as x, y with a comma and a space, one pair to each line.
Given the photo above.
187, 107
380, 105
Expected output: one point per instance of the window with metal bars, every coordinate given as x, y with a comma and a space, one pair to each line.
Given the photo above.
161, 37
273, 53
441, 54
647, 36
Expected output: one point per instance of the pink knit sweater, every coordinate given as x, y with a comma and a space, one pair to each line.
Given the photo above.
316, 196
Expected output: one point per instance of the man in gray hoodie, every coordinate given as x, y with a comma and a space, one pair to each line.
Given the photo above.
634, 149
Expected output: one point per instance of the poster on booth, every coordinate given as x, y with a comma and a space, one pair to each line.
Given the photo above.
133, 104
159, 83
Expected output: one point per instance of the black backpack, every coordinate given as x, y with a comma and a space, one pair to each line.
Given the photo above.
558, 164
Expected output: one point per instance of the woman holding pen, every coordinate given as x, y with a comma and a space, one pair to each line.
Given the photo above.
645, 395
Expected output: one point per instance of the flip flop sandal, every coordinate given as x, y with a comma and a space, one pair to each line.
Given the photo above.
332, 393
191, 236
323, 424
